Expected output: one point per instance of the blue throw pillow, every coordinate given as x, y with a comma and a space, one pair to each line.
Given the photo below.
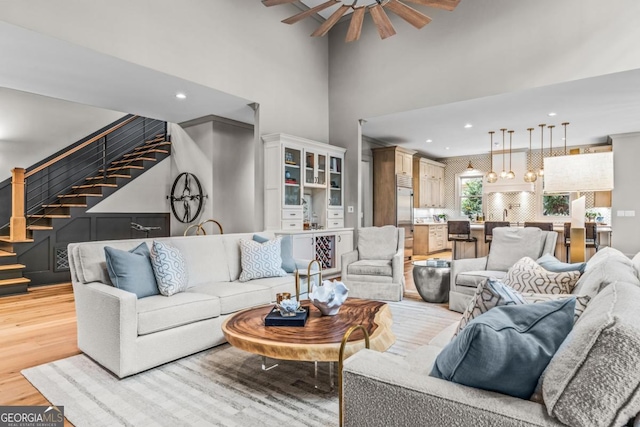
131, 270
507, 348
286, 251
553, 264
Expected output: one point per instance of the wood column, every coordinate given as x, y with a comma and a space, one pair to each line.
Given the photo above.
18, 222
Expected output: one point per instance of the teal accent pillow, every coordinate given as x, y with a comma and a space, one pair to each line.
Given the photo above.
507, 348
131, 270
553, 264
286, 251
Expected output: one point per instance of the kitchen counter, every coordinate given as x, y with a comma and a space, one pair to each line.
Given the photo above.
465, 250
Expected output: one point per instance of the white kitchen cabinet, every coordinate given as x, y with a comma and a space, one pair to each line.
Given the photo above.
302, 178
325, 246
429, 177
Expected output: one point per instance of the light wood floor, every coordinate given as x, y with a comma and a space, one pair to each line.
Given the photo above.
40, 327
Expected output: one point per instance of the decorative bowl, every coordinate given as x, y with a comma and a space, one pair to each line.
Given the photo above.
329, 297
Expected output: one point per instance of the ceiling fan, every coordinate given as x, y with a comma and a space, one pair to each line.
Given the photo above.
377, 10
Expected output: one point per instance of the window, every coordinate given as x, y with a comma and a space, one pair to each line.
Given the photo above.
555, 204
470, 195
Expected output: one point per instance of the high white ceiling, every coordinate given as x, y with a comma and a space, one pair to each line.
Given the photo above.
595, 108
36, 63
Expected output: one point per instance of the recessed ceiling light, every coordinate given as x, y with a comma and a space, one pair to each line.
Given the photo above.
551, 114
181, 95
446, 148
428, 141
468, 125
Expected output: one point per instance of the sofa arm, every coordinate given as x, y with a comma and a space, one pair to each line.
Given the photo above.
397, 267
381, 390
107, 325
347, 258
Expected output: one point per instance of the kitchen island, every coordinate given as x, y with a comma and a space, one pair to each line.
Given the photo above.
431, 238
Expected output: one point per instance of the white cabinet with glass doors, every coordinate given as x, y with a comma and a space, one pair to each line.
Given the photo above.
303, 184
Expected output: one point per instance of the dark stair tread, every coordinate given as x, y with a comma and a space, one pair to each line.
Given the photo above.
66, 205
16, 281
39, 227
108, 176
153, 150
75, 187
40, 216
119, 168
12, 267
5, 253
62, 196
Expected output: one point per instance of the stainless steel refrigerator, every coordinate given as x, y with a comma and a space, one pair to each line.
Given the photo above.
404, 212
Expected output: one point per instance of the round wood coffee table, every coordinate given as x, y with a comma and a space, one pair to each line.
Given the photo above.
319, 340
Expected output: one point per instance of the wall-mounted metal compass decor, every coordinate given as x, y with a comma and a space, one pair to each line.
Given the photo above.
186, 197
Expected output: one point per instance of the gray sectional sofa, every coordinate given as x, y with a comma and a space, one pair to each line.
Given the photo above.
593, 379
127, 335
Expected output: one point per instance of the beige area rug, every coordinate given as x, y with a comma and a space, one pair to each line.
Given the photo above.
223, 386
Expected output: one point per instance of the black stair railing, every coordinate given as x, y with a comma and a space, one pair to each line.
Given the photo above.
64, 170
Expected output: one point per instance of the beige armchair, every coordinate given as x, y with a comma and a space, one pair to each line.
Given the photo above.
375, 269
509, 245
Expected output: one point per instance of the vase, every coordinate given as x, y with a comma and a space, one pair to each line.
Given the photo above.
328, 297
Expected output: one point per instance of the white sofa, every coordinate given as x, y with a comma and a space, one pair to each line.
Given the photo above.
592, 380
127, 335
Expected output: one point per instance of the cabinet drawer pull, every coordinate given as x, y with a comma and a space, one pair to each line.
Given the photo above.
292, 214
293, 225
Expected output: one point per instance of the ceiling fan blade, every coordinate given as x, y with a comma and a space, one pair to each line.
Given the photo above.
276, 2
380, 18
300, 16
333, 19
355, 27
440, 4
409, 14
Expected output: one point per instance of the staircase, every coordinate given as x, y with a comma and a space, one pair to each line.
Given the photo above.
56, 210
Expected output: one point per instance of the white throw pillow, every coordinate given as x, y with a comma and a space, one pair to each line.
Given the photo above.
170, 269
260, 260
527, 276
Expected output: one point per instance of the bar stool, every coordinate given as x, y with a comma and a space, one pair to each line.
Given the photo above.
591, 236
544, 226
488, 229
460, 231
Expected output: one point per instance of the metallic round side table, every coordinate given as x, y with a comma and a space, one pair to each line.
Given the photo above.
431, 278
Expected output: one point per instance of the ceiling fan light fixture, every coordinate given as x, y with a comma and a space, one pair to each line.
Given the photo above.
376, 9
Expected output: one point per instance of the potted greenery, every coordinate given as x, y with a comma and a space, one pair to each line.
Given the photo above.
591, 215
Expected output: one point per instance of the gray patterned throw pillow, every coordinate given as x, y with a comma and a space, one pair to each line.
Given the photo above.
490, 293
260, 260
527, 276
169, 268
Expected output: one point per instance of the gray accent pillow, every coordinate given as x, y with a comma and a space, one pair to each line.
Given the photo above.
511, 244
551, 263
131, 270
527, 276
286, 251
377, 242
594, 380
507, 348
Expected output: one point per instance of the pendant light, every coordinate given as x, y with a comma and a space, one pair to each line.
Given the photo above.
491, 176
551, 140
541, 170
503, 174
530, 175
510, 174
565, 137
